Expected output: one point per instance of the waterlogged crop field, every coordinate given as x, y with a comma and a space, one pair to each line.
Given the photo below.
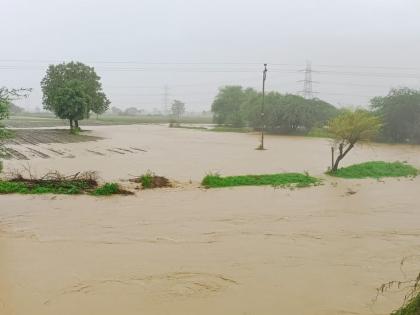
321, 249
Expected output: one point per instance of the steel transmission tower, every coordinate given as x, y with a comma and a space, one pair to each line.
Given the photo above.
307, 91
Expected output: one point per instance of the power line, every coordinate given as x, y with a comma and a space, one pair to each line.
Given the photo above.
136, 62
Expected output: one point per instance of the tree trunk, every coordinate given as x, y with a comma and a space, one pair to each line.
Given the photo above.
341, 155
71, 124
76, 124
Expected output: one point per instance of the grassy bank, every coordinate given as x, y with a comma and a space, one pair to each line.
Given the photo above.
70, 187
376, 169
56, 183
74, 187
412, 308
281, 180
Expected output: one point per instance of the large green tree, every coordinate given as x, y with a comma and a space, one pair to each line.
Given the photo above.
72, 91
227, 105
400, 112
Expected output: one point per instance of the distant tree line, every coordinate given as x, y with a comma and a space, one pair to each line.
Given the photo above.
400, 115
284, 113
131, 111
399, 112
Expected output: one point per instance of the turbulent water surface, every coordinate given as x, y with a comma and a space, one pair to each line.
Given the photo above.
186, 250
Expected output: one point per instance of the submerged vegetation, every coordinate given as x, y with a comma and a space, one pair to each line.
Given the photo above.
376, 169
110, 189
280, 180
151, 180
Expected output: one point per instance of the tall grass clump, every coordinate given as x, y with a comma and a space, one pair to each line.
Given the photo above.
280, 180
150, 180
376, 169
146, 179
107, 190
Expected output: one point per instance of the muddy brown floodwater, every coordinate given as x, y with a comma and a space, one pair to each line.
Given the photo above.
186, 250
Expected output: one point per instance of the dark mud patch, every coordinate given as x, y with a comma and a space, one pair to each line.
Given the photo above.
38, 153
125, 150
115, 151
42, 136
95, 152
14, 154
56, 151
138, 149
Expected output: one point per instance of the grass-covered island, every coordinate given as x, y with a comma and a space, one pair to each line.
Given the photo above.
376, 169
280, 180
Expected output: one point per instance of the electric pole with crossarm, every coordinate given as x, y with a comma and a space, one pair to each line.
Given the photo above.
261, 147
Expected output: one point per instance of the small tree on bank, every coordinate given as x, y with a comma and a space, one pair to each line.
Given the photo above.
73, 90
350, 128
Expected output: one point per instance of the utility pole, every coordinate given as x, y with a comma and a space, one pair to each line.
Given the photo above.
261, 147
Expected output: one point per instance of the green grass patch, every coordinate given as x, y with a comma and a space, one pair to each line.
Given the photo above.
44, 187
376, 169
146, 180
412, 308
231, 129
281, 180
107, 190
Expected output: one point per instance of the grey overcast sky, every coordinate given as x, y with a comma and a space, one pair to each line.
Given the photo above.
358, 48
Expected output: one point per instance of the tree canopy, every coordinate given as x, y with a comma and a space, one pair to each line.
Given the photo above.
284, 113
178, 108
352, 127
73, 90
4, 110
400, 112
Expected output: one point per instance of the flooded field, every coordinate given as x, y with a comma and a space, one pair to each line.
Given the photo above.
187, 250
